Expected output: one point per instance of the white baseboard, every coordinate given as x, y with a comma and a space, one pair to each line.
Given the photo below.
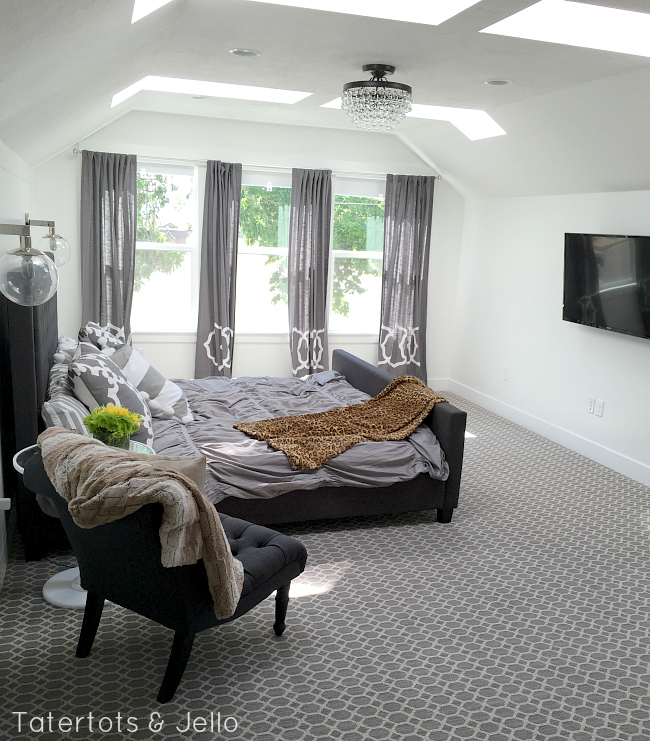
629, 467
438, 384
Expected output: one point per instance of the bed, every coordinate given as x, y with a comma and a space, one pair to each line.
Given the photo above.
422, 472
247, 479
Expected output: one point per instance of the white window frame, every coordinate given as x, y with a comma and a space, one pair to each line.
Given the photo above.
271, 178
163, 167
370, 186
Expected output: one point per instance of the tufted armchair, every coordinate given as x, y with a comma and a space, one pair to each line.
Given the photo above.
120, 561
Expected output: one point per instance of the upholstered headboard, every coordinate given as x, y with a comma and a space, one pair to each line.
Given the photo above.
28, 338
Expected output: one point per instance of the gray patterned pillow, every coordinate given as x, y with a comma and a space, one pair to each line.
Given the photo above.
65, 410
105, 338
166, 400
97, 381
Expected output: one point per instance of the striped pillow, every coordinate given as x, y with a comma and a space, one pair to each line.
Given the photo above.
66, 411
59, 382
164, 398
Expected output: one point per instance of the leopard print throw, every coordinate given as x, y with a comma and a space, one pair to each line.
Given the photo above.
310, 440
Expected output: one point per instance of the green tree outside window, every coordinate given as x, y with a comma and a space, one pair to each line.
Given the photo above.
358, 225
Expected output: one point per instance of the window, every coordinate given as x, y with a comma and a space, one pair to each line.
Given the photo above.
358, 247
261, 299
166, 256
167, 259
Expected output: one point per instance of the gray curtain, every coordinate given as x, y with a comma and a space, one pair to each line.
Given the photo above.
109, 205
407, 236
216, 326
309, 247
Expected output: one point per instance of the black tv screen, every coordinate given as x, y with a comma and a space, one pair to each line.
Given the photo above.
607, 282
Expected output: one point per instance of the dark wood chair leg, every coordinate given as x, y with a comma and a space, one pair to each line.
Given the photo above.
178, 658
444, 515
281, 604
92, 616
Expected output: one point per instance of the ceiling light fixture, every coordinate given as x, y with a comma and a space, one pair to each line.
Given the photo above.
474, 123
208, 89
498, 83
376, 104
245, 52
411, 11
141, 8
579, 24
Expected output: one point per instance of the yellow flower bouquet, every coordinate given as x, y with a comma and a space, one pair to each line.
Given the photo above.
113, 425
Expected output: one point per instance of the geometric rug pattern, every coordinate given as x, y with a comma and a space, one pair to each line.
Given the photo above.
525, 618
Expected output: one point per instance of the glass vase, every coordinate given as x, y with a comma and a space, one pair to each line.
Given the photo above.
115, 442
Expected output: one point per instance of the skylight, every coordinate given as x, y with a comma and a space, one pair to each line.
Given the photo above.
579, 24
431, 12
475, 124
144, 7
210, 89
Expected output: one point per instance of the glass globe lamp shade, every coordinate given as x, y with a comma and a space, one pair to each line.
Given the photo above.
28, 278
56, 248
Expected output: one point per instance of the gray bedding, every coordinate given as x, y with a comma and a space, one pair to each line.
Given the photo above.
239, 466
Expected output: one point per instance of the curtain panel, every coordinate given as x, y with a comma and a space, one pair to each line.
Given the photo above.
216, 326
407, 237
109, 218
308, 264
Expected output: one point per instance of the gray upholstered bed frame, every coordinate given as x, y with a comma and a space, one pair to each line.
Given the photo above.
421, 493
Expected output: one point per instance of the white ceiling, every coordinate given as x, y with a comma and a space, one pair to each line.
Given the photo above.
576, 118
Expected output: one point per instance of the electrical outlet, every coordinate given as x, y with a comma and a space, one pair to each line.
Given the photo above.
599, 408
592, 405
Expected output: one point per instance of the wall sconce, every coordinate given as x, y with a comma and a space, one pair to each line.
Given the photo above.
28, 276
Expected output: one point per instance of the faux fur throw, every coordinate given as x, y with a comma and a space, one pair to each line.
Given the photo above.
310, 440
102, 484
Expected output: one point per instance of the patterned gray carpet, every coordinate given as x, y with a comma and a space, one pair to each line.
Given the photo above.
525, 618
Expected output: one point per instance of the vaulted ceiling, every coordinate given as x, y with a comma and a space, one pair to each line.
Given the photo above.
576, 119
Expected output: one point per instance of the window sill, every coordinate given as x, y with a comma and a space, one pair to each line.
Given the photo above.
272, 338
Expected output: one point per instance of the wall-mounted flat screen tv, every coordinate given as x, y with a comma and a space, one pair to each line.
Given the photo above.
607, 282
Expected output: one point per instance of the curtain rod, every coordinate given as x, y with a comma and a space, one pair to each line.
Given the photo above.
262, 168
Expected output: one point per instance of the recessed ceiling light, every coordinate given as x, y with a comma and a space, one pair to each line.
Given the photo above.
498, 83
412, 11
245, 52
144, 7
579, 24
208, 89
475, 124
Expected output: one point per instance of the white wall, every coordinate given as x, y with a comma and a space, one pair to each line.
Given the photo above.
509, 315
15, 201
191, 138
444, 264
57, 195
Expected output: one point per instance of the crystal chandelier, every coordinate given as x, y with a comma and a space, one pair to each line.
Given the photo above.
376, 103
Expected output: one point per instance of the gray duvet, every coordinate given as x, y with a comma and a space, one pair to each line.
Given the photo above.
239, 466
